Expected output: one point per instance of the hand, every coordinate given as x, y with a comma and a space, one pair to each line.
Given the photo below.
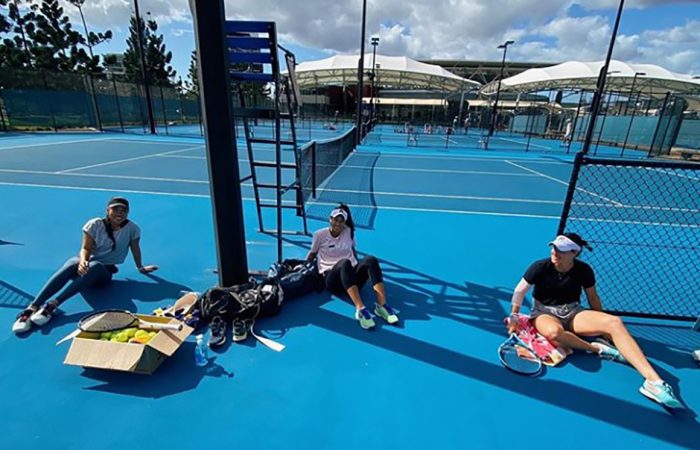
83, 267
148, 269
511, 323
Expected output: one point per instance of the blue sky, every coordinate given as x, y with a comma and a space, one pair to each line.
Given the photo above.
652, 31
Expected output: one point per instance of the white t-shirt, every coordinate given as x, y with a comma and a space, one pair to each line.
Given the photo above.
329, 250
103, 244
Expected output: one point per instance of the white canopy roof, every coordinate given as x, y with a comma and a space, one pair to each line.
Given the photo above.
396, 71
575, 75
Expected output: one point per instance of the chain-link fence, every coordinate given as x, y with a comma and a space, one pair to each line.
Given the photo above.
643, 221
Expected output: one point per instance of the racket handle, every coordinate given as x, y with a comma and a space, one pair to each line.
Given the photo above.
160, 326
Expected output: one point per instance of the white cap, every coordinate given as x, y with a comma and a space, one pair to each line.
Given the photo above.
564, 244
339, 212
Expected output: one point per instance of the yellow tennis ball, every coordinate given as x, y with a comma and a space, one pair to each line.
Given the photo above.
122, 337
141, 333
130, 332
106, 335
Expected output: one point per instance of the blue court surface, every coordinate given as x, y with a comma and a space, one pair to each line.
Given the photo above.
454, 230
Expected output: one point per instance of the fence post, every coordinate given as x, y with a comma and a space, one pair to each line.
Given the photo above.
578, 162
2, 114
119, 109
95, 104
46, 88
162, 106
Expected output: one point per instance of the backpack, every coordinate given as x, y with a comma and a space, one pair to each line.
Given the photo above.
297, 277
246, 301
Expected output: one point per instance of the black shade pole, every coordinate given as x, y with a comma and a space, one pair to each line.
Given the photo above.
144, 73
222, 162
360, 75
498, 89
600, 85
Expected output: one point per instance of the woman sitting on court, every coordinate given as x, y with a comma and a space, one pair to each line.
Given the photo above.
106, 242
558, 315
335, 250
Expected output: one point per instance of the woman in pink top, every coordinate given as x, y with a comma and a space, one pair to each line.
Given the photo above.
334, 249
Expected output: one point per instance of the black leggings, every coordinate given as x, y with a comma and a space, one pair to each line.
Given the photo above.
343, 275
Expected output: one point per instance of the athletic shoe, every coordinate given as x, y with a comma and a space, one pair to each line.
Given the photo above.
240, 330
365, 318
386, 312
217, 332
607, 352
661, 393
44, 314
23, 322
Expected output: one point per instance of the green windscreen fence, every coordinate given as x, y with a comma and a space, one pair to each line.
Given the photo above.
42, 100
642, 218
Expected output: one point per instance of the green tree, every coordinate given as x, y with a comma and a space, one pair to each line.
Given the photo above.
157, 58
16, 50
92, 39
193, 74
58, 45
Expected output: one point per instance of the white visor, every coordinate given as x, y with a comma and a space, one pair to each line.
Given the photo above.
339, 212
564, 244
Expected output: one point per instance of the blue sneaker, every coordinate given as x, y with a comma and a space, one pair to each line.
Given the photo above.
608, 352
661, 393
365, 318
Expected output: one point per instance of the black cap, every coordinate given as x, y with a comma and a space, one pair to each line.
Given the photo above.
118, 201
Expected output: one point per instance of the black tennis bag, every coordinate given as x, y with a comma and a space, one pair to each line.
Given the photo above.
297, 277
247, 301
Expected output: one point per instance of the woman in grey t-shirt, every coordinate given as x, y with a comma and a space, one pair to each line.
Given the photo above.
106, 242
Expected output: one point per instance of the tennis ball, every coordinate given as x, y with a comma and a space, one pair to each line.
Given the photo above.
106, 335
131, 332
122, 337
141, 333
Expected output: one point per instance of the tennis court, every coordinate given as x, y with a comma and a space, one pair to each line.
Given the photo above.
454, 230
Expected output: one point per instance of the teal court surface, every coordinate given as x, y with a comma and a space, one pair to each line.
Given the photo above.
454, 229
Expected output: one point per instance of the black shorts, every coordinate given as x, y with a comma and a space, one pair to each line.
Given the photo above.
565, 313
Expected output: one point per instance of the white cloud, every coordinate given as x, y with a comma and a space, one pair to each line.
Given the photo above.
544, 30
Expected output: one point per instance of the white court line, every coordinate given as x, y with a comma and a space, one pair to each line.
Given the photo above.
614, 202
671, 173
108, 163
48, 144
95, 175
524, 144
453, 197
637, 222
500, 158
392, 208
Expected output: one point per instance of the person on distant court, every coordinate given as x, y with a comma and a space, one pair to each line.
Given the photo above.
557, 314
568, 131
334, 249
106, 242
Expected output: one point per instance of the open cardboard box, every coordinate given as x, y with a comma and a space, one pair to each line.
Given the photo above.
126, 357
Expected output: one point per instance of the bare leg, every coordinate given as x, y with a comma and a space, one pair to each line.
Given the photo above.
595, 323
381, 293
551, 328
354, 295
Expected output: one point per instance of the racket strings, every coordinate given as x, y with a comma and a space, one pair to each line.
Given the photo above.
107, 322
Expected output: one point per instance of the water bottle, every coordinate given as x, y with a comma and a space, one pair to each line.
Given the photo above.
201, 353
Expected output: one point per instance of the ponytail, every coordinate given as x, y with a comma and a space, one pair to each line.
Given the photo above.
349, 222
110, 231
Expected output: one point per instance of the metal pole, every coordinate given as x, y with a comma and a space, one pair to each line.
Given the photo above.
375, 42
144, 73
360, 75
600, 85
634, 110
222, 155
119, 109
504, 46
574, 123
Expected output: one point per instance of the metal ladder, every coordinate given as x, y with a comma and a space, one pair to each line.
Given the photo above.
251, 46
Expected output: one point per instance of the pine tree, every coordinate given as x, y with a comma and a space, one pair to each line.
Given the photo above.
92, 39
193, 74
16, 51
57, 43
157, 59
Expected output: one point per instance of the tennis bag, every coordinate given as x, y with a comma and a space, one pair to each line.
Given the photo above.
246, 301
297, 277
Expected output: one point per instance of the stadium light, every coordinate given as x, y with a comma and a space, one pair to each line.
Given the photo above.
374, 42
494, 114
360, 75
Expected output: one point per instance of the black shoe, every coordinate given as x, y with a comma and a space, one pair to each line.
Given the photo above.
240, 330
217, 332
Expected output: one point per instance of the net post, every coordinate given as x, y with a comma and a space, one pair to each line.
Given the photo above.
313, 169
578, 162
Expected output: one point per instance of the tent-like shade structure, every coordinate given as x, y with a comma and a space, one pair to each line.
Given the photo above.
576, 75
395, 71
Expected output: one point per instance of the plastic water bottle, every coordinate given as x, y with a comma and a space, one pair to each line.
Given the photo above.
201, 352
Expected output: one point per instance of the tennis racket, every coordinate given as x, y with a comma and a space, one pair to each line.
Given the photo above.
515, 356
115, 319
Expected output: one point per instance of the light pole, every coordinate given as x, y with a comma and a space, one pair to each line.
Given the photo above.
494, 114
600, 85
144, 72
374, 42
634, 110
360, 75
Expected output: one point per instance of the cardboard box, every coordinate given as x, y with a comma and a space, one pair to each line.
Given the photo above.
126, 357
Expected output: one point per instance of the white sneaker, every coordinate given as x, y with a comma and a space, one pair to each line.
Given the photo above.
23, 322
44, 314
